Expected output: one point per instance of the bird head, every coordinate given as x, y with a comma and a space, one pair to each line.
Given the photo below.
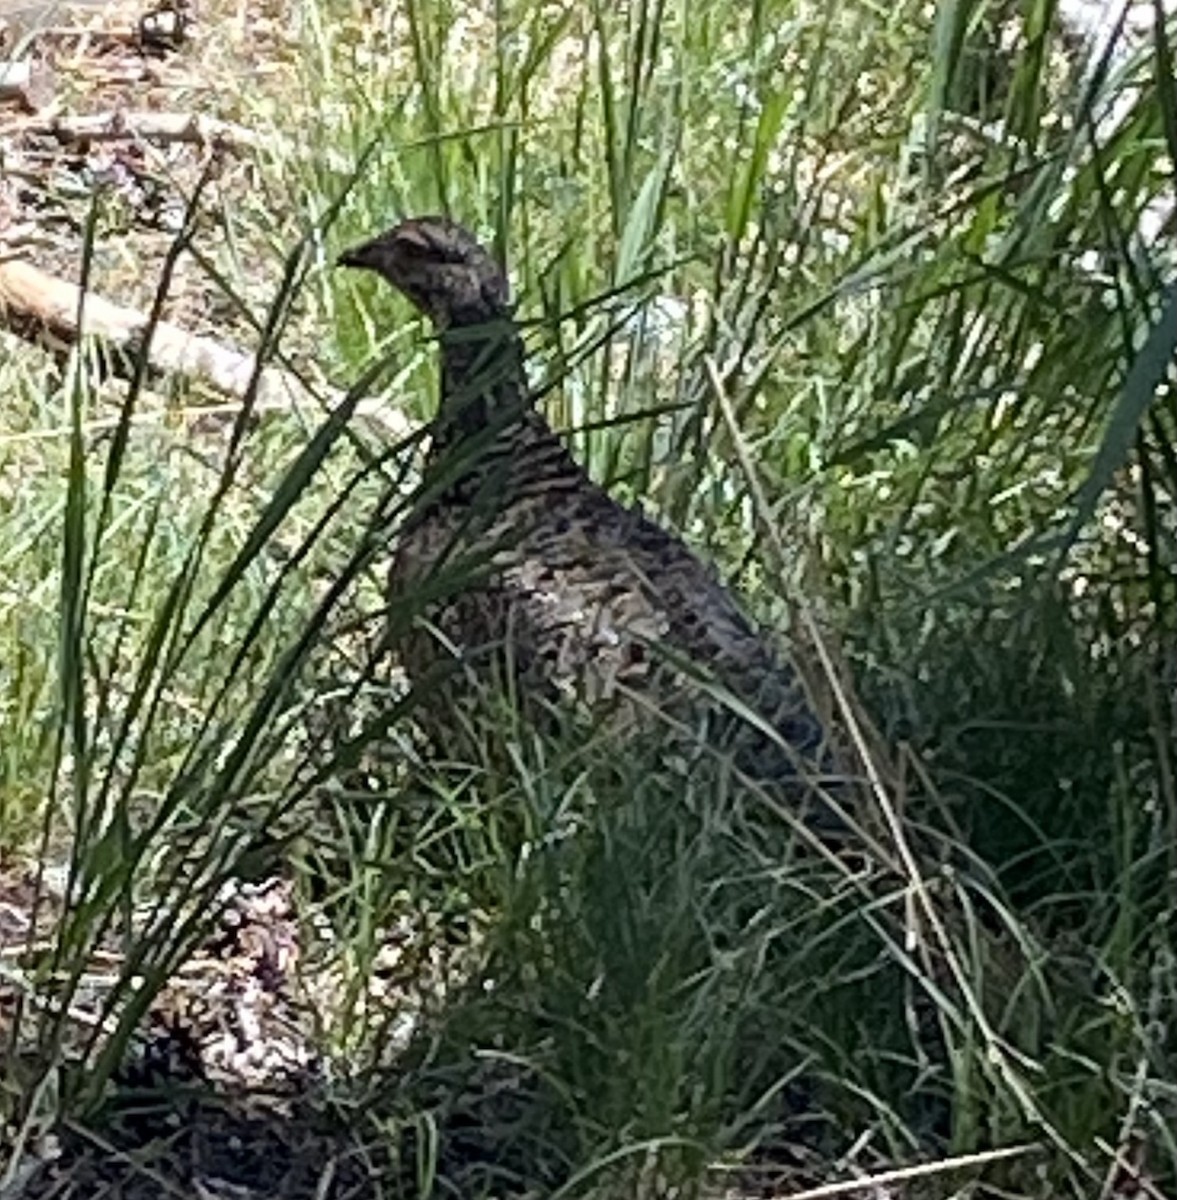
441, 267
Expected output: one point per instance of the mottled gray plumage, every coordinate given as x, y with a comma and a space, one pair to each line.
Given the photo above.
581, 597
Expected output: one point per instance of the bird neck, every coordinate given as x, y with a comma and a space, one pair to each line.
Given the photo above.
483, 380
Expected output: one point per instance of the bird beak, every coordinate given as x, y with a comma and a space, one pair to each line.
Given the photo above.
363, 256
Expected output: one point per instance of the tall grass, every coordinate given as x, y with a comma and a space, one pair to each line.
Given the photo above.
904, 371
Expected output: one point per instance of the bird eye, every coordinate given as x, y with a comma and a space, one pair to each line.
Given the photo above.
425, 244
413, 243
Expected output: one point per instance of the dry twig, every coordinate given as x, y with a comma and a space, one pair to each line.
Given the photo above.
191, 128
44, 309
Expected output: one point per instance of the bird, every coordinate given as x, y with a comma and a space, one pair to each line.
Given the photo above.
525, 571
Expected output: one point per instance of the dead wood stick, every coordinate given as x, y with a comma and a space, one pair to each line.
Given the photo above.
166, 127
43, 308
145, 126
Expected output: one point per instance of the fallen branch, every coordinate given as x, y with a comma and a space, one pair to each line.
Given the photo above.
145, 126
163, 128
43, 309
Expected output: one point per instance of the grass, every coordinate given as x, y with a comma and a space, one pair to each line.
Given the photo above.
868, 311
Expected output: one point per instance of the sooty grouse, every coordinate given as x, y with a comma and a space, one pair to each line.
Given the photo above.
518, 556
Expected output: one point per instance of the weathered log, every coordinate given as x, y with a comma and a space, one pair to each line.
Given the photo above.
44, 309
